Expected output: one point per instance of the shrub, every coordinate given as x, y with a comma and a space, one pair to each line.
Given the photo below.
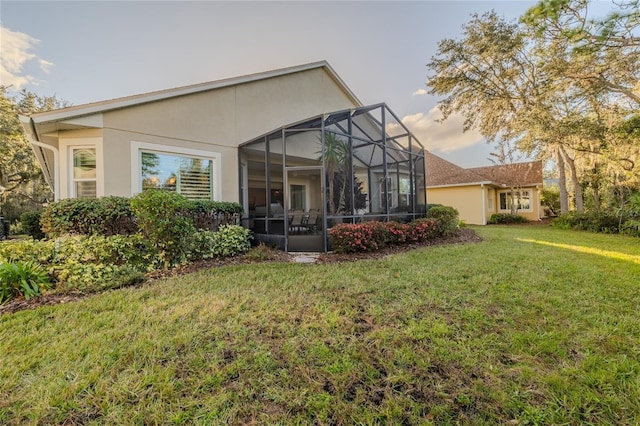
133, 250
231, 240
379, 233
592, 221
42, 252
30, 222
89, 216
26, 279
397, 232
81, 277
446, 219
351, 238
631, 227
162, 219
421, 230
210, 215
502, 218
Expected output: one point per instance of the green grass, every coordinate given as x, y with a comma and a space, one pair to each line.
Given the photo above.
532, 326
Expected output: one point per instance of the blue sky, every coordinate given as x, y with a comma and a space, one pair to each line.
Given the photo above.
85, 51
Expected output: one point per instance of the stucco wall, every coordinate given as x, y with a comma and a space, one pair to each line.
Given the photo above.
467, 199
214, 121
233, 115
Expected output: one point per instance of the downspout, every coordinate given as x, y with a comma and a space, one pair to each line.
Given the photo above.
484, 209
56, 159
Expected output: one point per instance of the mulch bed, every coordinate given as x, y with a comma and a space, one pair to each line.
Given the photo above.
463, 236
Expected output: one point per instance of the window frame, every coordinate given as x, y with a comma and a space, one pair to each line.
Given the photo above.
137, 148
519, 197
73, 193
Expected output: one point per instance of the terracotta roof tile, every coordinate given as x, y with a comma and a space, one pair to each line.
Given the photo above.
442, 172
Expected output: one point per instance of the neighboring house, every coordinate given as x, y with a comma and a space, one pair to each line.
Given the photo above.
479, 192
263, 140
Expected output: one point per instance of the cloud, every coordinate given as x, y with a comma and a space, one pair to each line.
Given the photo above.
16, 48
420, 92
443, 137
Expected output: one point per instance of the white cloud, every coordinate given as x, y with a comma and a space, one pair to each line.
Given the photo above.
443, 137
16, 51
420, 92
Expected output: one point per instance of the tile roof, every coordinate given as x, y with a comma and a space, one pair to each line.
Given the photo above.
441, 172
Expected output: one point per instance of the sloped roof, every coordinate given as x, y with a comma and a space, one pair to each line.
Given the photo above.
112, 104
522, 174
441, 172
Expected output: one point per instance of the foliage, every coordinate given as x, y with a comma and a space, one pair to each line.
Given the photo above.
374, 235
114, 215
559, 85
20, 175
231, 240
25, 250
30, 222
421, 230
80, 277
89, 216
550, 199
26, 279
336, 152
397, 233
210, 215
500, 218
162, 219
631, 227
351, 238
591, 221
446, 219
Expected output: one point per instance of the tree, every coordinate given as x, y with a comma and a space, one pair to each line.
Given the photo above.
20, 175
555, 85
337, 155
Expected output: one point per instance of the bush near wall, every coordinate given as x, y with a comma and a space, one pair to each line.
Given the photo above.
371, 236
446, 219
115, 215
112, 241
504, 218
89, 216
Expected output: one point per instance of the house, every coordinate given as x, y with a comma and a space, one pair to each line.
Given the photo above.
479, 192
293, 145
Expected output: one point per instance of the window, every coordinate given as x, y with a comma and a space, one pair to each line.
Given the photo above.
298, 197
522, 198
83, 180
186, 175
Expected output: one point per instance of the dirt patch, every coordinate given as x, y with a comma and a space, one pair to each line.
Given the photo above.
463, 236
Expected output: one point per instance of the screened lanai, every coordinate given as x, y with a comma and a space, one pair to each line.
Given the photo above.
344, 167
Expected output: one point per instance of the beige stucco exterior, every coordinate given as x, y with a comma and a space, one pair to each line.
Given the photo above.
466, 199
211, 122
471, 199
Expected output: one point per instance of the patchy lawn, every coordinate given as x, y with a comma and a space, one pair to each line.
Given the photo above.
532, 325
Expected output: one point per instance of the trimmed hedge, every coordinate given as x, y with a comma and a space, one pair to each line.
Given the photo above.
115, 215
371, 236
446, 218
503, 218
89, 216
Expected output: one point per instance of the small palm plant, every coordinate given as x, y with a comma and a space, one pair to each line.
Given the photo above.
26, 279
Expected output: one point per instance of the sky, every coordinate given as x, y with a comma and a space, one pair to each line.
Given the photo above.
86, 51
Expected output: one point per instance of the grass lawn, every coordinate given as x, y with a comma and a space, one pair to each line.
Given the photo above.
532, 326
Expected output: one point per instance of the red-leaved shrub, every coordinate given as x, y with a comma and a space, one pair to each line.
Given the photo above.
369, 236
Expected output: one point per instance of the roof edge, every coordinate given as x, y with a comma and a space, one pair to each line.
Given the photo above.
127, 101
